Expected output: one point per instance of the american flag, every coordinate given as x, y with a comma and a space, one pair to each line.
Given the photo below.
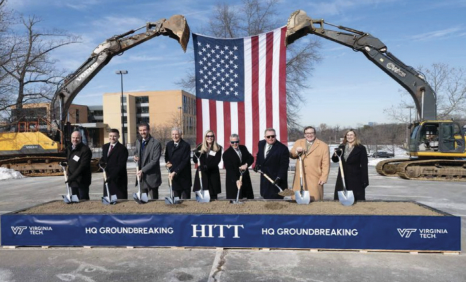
241, 87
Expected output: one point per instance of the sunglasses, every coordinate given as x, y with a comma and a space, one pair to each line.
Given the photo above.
234, 142
270, 136
209, 136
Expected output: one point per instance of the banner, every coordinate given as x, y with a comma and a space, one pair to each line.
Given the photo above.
423, 233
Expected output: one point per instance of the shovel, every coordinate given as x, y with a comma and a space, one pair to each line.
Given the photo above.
283, 193
68, 198
346, 197
239, 188
171, 200
140, 198
302, 197
107, 200
202, 196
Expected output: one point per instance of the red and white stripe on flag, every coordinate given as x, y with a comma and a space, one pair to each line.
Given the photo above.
264, 103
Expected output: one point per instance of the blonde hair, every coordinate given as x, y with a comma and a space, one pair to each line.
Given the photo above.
204, 148
357, 142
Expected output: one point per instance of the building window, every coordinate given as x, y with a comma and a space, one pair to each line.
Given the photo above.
142, 99
77, 116
140, 120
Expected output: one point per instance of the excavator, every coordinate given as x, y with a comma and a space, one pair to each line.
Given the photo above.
436, 147
33, 151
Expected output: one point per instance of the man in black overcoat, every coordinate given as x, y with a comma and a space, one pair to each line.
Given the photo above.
273, 158
114, 158
178, 160
79, 166
237, 158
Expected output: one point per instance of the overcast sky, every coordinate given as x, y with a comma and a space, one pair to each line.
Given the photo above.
346, 88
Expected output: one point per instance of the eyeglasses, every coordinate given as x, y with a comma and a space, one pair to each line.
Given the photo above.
209, 136
270, 136
234, 142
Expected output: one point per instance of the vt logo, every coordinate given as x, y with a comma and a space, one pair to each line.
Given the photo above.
18, 229
406, 232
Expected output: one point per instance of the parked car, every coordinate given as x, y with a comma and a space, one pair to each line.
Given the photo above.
382, 154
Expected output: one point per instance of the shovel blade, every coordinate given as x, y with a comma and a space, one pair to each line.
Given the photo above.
286, 192
140, 198
172, 200
66, 199
302, 197
74, 199
235, 202
203, 196
346, 198
113, 199
105, 201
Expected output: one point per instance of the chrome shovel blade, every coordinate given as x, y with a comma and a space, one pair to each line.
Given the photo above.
203, 196
302, 197
140, 198
346, 198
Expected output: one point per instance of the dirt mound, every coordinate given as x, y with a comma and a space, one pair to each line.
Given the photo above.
224, 207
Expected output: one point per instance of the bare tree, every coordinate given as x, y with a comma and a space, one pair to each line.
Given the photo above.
449, 84
32, 75
254, 17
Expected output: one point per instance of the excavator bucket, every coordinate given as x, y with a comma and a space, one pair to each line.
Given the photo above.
299, 25
177, 28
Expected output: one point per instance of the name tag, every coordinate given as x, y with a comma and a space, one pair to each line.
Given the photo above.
75, 158
212, 153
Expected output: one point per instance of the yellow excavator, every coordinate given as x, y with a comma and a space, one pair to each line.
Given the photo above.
436, 147
35, 144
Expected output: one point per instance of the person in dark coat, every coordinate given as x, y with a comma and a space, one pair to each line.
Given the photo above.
79, 167
354, 159
147, 155
273, 158
210, 154
178, 160
114, 159
237, 158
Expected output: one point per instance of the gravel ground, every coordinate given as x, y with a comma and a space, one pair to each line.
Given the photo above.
225, 207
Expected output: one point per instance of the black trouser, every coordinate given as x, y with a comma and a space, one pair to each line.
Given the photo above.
152, 192
182, 194
81, 192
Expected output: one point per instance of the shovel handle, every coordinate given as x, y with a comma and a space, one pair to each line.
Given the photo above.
301, 173
342, 173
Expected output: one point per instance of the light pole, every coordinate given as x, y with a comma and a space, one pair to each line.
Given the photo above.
181, 127
121, 73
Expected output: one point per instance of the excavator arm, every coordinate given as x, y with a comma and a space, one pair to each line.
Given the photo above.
299, 25
175, 27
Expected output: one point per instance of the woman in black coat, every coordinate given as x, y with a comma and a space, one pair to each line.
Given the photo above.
210, 155
354, 159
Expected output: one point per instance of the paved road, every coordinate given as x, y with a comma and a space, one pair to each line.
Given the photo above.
161, 264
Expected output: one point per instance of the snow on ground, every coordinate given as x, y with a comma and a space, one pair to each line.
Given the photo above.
6, 173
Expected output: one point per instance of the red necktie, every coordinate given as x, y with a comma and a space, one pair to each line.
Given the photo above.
111, 148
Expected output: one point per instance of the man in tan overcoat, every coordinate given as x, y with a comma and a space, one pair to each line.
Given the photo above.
316, 164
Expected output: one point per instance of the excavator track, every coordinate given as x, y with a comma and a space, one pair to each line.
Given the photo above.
439, 170
389, 167
33, 166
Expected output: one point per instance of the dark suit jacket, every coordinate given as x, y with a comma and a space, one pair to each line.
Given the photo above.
232, 163
117, 176
356, 172
79, 166
149, 163
180, 158
275, 165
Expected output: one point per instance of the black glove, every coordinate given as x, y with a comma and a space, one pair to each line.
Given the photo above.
277, 181
256, 168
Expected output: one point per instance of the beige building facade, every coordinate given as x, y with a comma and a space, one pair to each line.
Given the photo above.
162, 110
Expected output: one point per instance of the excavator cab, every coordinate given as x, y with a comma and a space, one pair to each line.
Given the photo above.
437, 139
